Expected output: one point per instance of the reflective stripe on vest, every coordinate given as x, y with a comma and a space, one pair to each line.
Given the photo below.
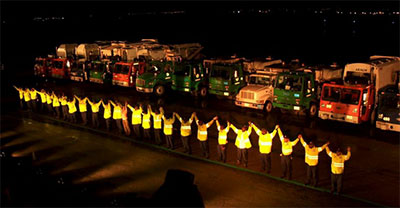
146, 120
265, 143
312, 157
338, 165
203, 132
286, 151
185, 127
157, 120
168, 126
222, 137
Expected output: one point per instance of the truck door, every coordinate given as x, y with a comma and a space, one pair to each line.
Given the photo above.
365, 105
307, 91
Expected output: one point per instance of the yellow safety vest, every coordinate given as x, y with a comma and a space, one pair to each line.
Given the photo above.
311, 156
42, 97
48, 98
136, 116
186, 127
56, 103
223, 135
168, 125
27, 96
82, 106
107, 111
21, 94
95, 106
117, 114
264, 140
337, 166
63, 101
157, 120
287, 147
242, 138
202, 130
33, 94
146, 120
71, 107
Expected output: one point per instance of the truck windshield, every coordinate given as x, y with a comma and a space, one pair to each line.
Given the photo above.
331, 94
121, 69
256, 80
99, 67
350, 96
357, 78
389, 101
77, 67
58, 64
185, 71
220, 72
292, 83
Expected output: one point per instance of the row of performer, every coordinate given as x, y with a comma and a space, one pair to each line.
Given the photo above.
157, 122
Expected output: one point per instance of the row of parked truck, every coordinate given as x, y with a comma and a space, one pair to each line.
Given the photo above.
357, 93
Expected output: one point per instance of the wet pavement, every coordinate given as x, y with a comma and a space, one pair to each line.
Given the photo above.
371, 174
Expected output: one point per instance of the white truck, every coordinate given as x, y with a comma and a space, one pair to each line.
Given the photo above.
87, 51
258, 94
66, 50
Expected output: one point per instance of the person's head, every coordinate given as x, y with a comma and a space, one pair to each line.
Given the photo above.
201, 123
311, 144
156, 111
264, 131
286, 138
339, 151
136, 107
244, 128
222, 126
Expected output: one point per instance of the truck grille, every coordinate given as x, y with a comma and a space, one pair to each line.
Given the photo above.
247, 95
140, 82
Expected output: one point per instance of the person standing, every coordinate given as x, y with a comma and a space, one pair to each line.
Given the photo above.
311, 159
337, 168
72, 110
83, 109
202, 134
56, 105
286, 155
95, 113
265, 146
222, 140
21, 96
64, 106
168, 130
136, 119
107, 114
49, 101
117, 115
34, 98
186, 131
157, 121
43, 96
146, 124
27, 99
125, 122
242, 143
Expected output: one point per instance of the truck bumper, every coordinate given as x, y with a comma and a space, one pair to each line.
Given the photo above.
288, 106
144, 89
249, 105
76, 78
181, 89
388, 126
96, 80
338, 117
218, 92
120, 83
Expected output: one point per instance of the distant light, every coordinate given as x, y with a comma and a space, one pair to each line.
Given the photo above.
354, 21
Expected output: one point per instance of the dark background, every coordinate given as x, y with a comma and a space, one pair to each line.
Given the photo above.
287, 30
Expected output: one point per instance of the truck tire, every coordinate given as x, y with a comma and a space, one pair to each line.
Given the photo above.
203, 91
312, 112
159, 90
268, 107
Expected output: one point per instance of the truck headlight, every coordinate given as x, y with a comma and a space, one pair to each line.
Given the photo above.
386, 118
329, 106
380, 116
355, 110
296, 107
349, 117
150, 83
187, 84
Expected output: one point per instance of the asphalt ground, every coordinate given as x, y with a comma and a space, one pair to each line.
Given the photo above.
372, 174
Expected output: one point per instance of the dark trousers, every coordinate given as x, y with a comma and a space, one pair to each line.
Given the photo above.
336, 182
242, 155
21, 103
204, 148
266, 162
119, 125
157, 136
72, 117
84, 118
312, 175
29, 105
95, 119
57, 110
221, 152
50, 109
33, 105
186, 144
64, 111
170, 143
136, 131
108, 124
146, 134
286, 163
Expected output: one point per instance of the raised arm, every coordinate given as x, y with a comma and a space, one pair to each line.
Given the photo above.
211, 122
196, 119
328, 151
323, 147
256, 129
191, 118
90, 102
348, 155
295, 141
161, 111
302, 140
218, 126
178, 117
131, 108
233, 127
249, 130
77, 98
112, 103
273, 132
280, 134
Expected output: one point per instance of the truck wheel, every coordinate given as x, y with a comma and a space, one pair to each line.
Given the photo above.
312, 112
268, 107
203, 91
159, 90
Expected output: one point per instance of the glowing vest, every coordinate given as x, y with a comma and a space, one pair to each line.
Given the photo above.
117, 114
146, 121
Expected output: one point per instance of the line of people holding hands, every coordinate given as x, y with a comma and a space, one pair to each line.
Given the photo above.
144, 119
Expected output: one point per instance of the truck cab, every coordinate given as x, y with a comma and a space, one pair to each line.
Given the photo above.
124, 74
41, 67
97, 70
60, 68
79, 71
156, 78
226, 79
296, 91
388, 109
190, 77
346, 103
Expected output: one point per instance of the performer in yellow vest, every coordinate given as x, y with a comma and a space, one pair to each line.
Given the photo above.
265, 145
157, 123
136, 119
222, 140
186, 132
337, 168
202, 135
286, 156
95, 112
168, 129
242, 143
146, 123
117, 115
107, 114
